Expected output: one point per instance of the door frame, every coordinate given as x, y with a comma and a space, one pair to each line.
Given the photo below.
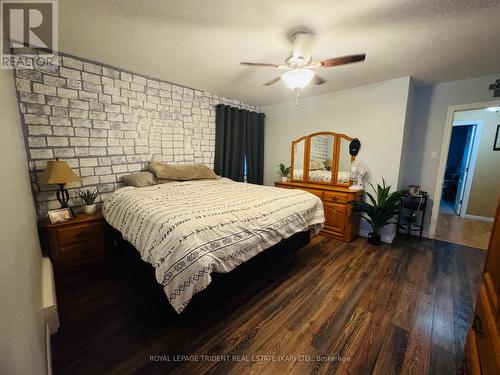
445, 145
472, 162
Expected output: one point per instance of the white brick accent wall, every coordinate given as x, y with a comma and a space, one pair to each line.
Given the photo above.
106, 122
319, 147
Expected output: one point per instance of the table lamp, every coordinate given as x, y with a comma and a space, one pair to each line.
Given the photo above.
58, 172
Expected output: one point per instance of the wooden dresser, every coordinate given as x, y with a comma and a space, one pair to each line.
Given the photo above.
81, 240
482, 348
340, 221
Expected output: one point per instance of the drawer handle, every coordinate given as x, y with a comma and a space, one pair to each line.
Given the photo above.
83, 234
477, 326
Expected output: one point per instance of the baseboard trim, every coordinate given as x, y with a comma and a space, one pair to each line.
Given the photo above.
476, 217
383, 237
48, 349
49, 296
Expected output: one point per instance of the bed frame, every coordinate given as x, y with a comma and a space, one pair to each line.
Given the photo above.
223, 284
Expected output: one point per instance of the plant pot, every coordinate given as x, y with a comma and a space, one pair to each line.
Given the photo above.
374, 238
284, 179
89, 208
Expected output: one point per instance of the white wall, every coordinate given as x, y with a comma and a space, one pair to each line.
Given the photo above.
22, 326
429, 109
375, 114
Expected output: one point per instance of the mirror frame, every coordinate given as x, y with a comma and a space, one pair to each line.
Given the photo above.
335, 158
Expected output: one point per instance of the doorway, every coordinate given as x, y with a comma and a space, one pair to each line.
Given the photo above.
460, 165
467, 161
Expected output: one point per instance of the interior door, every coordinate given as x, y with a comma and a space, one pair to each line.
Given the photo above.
464, 168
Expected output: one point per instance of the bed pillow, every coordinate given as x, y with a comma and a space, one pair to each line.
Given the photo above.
181, 172
316, 165
140, 179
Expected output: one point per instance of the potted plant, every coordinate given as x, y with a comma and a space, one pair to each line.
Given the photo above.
380, 211
285, 172
88, 197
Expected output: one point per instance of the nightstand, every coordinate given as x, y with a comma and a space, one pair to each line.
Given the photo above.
81, 240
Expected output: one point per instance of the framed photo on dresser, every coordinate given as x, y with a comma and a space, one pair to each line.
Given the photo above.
496, 145
60, 216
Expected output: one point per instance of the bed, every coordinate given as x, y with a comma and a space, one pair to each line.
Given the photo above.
187, 230
321, 175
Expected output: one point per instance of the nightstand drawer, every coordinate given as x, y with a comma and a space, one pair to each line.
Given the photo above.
82, 253
80, 233
332, 196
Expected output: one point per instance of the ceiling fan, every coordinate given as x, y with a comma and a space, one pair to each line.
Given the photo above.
299, 65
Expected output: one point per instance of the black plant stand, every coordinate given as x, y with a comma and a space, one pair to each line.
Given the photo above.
412, 214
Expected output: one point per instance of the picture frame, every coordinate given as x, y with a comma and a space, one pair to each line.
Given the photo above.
496, 144
60, 215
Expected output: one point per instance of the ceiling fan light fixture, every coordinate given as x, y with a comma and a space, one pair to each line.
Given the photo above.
298, 78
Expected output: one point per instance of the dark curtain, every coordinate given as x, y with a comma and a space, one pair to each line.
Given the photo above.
239, 135
255, 148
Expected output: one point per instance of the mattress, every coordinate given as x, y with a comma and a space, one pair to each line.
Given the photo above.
187, 230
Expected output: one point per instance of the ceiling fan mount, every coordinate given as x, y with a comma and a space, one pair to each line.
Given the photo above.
300, 60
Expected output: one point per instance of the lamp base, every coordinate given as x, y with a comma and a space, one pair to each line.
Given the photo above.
62, 196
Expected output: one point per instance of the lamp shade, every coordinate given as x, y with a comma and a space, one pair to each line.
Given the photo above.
298, 78
58, 172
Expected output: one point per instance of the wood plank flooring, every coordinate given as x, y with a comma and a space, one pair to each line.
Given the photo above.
468, 232
327, 308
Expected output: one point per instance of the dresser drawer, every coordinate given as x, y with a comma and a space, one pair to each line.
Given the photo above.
318, 193
470, 362
335, 217
335, 197
80, 233
82, 253
487, 338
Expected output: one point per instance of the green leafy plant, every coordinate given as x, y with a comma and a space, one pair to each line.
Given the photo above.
88, 196
382, 208
285, 171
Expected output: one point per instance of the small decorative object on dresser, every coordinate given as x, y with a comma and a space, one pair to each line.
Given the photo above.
320, 165
285, 172
88, 197
382, 209
59, 216
78, 241
496, 144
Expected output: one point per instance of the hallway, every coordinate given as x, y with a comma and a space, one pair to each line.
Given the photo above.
473, 233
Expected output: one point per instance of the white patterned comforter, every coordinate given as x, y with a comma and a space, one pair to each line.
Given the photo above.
187, 230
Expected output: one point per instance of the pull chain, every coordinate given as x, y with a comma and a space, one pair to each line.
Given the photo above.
297, 94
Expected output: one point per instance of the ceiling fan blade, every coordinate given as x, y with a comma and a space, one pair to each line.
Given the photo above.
259, 64
318, 80
274, 80
336, 61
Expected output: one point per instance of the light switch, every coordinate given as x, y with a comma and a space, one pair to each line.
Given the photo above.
434, 155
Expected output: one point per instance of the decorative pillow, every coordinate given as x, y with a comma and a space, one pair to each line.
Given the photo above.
316, 165
181, 172
140, 179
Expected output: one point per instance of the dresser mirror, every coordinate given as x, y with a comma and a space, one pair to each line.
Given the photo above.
322, 158
345, 160
321, 151
298, 159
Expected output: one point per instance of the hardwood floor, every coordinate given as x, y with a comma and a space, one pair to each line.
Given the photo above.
329, 307
468, 232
